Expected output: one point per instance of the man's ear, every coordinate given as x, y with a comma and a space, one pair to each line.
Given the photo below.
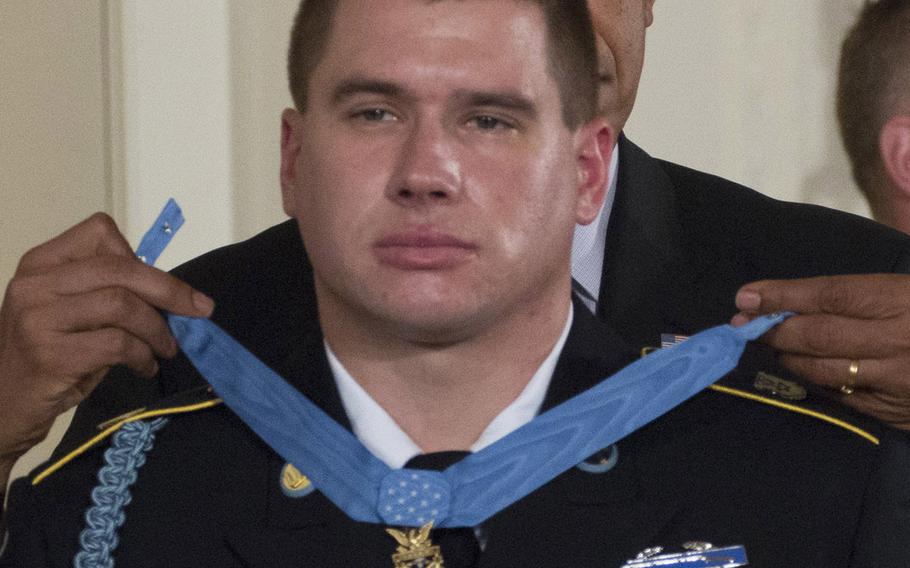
894, 145
291, 135
594, 144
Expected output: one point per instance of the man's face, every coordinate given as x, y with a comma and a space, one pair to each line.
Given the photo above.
433, 179
620, 28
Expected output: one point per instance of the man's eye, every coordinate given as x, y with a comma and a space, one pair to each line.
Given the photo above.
375, 115
489, 123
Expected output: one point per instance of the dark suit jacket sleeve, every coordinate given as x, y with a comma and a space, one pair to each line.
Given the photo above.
884, 536
888, 524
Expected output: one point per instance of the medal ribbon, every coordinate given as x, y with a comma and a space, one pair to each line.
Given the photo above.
485, 482
156, 239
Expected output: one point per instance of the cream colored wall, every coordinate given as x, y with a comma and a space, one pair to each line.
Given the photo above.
54, 129
176, 119
744, 89
52, 121
260, 94
116, 105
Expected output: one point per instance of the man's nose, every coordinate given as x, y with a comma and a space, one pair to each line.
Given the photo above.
428, 169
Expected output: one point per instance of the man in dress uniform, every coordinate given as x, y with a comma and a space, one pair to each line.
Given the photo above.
436, 164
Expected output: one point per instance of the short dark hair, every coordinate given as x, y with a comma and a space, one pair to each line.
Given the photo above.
874, 73
572, 53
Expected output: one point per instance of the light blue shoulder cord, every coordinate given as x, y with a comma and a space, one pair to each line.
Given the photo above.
122, 462
129, 445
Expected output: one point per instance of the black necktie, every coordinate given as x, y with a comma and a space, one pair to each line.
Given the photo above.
588, 300
460, 547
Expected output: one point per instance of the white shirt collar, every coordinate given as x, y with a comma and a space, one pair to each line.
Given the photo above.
387, 441
589, 242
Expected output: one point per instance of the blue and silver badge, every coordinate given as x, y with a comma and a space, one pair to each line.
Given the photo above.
694, 555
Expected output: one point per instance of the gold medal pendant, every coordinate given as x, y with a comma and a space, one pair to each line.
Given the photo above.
415, 549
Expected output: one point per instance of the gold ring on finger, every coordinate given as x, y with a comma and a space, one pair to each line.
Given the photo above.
850, 387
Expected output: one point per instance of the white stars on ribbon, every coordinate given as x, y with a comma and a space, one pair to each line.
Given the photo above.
413, 497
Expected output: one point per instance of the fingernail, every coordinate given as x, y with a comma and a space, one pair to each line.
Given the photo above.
739, 320
748, 301
203, 303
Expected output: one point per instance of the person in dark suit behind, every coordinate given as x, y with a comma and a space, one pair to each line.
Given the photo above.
847, 322
670, 224
435, 168
873, 108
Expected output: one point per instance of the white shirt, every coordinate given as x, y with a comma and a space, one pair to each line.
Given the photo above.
387, 441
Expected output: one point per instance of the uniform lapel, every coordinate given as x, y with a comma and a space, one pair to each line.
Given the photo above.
307, 369
614, 505
650, 268
299, 528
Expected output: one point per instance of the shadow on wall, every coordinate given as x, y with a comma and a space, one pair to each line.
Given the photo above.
831, 184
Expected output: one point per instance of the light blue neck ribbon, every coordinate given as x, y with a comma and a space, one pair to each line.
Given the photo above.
485, 482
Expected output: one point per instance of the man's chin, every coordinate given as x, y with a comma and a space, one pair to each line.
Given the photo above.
436, 325
437, 331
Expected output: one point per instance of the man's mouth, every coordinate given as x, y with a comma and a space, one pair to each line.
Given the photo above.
423, 249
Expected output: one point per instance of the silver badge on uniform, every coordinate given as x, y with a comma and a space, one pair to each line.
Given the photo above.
694, 555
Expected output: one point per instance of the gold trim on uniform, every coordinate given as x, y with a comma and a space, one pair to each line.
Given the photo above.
645, 351
799, 410
134, 416
787, 390
108, 423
